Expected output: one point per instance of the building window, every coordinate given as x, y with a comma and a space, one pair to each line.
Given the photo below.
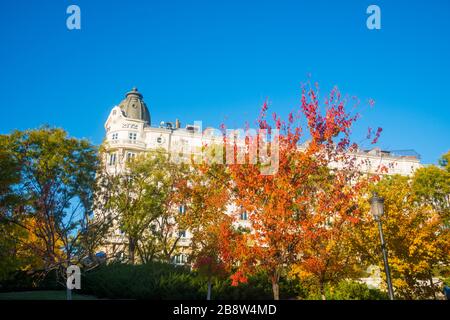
182, 209
130, 155
120, 255
243, 215
182, 234
180, 259
112, 159
132, 135
115, 136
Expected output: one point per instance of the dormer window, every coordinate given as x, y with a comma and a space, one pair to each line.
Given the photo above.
132, 135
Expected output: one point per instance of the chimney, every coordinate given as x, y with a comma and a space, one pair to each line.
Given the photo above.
177, 124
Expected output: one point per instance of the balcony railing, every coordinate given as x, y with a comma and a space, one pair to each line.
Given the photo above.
127, 143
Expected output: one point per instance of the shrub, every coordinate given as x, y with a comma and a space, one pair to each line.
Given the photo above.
349, 290
352, 290
26, 281
257, 288
446, 281
148, 281
166, 281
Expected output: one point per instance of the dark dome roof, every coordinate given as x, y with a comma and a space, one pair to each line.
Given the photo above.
134, 107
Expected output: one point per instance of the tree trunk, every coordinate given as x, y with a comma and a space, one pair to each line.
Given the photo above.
322, 291
131, 250
208, 295
276, 286
432, 287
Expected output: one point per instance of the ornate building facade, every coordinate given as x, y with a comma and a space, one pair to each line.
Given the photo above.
129, 131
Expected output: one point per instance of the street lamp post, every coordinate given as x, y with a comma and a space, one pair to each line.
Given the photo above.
377, 208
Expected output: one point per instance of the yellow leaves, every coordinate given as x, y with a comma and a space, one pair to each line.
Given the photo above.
297, 271
414, 233
399, 283
31, 247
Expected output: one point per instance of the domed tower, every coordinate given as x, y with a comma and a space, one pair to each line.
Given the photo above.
134, 107
126, 130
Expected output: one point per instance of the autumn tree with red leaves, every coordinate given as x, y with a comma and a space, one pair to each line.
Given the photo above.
207, 195
328, 255
296, 213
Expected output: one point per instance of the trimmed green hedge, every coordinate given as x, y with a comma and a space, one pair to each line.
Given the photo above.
25, 281
166, 281
258, 287
146, 281
350, 290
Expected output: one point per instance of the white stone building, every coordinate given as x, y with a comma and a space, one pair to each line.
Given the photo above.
129, 131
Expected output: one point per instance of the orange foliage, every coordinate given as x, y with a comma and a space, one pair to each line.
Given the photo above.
297, 213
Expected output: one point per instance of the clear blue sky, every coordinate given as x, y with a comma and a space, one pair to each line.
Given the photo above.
217, 60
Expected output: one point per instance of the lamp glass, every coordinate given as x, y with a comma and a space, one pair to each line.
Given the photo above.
377, 206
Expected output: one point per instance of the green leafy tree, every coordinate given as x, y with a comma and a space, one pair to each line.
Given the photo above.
51, 179
431, 185
8, 177
144, 201
445, 161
